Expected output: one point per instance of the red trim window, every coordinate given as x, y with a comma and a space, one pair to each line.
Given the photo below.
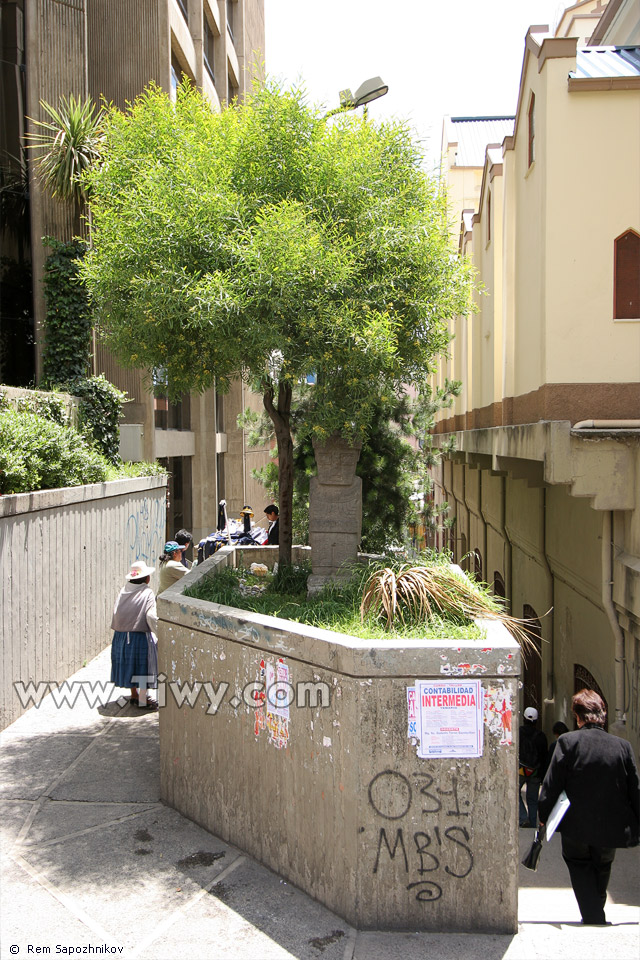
626, 276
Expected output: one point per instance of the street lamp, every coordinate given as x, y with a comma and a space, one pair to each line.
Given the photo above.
370, 90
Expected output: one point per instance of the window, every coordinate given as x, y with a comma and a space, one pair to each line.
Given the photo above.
499, 589
179, 495
489, 217
232, 90
175, 79
583, 679
230, 12
167, 415
626, 282
532, 129
183, 9
207, 46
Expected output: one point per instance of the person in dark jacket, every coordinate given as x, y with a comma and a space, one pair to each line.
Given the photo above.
532, 757
273, 517
557, 729
599, 774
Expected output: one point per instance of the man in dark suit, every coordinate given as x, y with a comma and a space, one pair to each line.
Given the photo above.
273, 517
599, 774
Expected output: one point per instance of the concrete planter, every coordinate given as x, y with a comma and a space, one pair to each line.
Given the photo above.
330, 793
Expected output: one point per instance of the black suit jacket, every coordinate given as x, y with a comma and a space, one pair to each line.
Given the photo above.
599, 773
273, 539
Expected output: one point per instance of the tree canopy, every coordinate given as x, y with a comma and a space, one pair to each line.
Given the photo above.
271, 243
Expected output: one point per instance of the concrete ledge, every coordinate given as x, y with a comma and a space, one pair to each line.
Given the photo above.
330, 792
13, 504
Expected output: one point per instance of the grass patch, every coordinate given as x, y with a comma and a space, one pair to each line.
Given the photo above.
336, 608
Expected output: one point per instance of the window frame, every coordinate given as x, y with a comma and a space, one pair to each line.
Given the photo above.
622, 293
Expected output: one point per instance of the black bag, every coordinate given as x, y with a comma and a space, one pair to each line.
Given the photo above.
528, 752
532, 857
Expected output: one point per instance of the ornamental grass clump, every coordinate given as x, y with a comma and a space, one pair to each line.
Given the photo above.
435, 591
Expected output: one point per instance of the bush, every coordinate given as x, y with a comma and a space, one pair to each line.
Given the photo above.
38, 454
100, 413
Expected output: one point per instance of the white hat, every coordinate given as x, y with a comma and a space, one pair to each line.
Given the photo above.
531, 713
138, 570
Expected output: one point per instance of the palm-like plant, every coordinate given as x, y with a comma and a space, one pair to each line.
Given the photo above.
426, 591
69, 142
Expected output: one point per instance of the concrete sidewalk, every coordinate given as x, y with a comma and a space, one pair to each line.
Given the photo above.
92, 858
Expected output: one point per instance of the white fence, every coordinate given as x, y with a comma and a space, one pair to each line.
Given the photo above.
63, 557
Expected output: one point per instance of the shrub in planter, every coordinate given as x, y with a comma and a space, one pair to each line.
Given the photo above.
38, 454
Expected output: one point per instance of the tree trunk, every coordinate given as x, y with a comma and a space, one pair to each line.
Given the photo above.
281, 418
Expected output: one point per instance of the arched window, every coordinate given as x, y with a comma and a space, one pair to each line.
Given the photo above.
477, 563
583, 679
626, 282
499, 588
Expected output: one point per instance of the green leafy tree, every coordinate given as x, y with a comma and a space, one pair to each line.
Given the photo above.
267, 242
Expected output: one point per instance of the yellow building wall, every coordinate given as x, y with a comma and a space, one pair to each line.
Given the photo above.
591, 198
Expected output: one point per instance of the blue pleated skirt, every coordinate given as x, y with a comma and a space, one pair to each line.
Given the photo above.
134, 659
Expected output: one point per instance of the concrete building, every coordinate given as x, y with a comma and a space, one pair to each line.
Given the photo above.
113, 49
545, 482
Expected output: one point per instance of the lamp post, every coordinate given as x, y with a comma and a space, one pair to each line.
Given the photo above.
370, 90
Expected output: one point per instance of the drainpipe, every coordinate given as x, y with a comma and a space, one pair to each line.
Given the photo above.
508, 566
607, 602
549, 698
606, 425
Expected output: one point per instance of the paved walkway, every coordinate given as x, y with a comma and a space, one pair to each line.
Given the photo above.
92, 858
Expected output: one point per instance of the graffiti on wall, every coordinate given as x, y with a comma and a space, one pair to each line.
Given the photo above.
145, 531
429, 857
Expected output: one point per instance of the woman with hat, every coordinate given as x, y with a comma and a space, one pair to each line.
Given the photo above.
171, 566
134, 657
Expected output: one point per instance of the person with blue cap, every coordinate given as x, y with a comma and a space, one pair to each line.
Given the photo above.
171, 566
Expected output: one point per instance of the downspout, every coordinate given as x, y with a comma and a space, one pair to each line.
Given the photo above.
549, 698
508, 566
610, 610
606, 425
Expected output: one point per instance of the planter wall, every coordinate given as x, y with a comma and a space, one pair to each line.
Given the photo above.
334, 797
63, 557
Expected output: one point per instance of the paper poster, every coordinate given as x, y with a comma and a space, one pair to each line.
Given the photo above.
450, 718
278, 689
412, 713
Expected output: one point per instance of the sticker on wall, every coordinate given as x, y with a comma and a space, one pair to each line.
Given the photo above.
412, 716
273, 697
498, 713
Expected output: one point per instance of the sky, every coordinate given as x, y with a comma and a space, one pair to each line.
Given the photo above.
438, 57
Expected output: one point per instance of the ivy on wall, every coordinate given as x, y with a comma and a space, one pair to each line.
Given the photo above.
66, 353
100, 413
66, 356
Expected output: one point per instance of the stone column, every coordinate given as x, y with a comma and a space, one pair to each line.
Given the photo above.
335, 511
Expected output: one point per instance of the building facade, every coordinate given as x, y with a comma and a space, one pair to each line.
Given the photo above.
112, 49
544, 485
